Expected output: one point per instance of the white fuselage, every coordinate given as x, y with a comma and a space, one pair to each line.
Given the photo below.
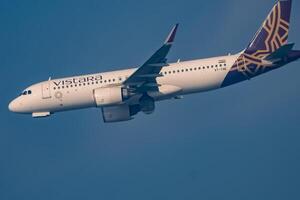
122, 94
77, 92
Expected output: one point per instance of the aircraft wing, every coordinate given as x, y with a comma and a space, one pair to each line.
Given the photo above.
144, 78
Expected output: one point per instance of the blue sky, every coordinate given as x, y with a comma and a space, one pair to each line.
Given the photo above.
241, 142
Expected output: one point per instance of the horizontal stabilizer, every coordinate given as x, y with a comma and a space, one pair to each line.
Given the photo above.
280, 53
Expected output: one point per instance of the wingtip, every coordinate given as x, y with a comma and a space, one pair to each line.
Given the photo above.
171, 36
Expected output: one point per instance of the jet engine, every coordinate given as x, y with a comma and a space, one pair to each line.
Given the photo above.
110, 96
147, 104
119, 113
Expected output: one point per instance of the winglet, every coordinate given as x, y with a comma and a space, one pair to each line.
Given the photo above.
171, 36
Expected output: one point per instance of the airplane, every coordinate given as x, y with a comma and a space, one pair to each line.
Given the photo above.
123, 94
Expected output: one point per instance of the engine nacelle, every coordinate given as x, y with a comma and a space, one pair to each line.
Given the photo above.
119, 113
116, 113
109, 96
147, 104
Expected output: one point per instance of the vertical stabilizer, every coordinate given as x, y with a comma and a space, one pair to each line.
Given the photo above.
274, 31
269, 42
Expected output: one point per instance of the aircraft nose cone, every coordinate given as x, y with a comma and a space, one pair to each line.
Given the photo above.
18, 105
12, 106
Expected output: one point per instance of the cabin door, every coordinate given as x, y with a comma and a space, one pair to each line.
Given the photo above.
46, 93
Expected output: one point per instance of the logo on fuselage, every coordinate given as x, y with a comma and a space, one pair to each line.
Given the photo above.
77, 80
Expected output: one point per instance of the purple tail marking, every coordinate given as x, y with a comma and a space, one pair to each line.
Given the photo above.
271, 36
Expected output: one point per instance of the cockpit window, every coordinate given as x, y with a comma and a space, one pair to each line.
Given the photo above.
26, 92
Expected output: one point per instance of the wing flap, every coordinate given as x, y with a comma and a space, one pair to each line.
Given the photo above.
150, 75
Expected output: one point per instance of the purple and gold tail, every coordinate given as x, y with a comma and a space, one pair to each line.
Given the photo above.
270, 41
274, 31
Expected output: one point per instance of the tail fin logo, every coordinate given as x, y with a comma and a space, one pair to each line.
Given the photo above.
272, 35
274, 32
